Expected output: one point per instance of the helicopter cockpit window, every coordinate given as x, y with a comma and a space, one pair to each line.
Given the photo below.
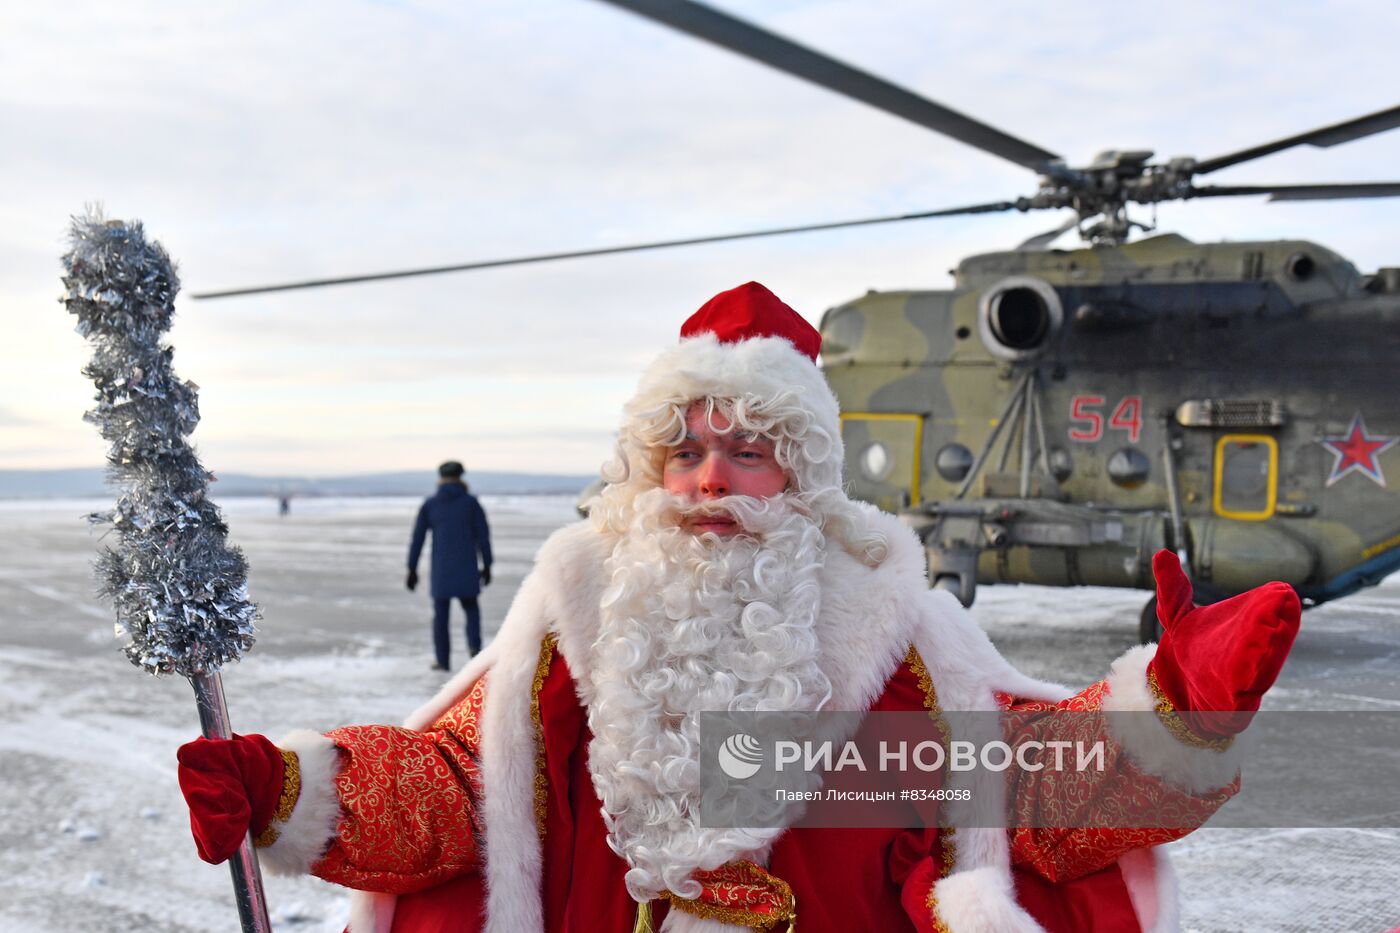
1246, 476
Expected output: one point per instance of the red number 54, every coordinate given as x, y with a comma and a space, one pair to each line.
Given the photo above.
1088, 421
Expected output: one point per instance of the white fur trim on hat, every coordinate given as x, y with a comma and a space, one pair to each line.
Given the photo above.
765, 368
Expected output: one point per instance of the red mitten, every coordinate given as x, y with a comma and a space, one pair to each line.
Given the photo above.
231, 786
1220, 658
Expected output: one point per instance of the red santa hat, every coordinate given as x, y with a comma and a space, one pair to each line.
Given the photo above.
746, 343
752, 311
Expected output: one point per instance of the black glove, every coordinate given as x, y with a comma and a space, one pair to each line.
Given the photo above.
412, 581
485, 576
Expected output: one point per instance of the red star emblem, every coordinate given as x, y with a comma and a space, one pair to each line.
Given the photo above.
1356, 451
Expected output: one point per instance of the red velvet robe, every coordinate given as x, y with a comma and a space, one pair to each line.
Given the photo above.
411, 826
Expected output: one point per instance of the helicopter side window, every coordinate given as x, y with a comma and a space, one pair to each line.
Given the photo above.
883, 454
1246, 476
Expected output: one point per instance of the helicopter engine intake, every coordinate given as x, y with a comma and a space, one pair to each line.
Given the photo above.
1018, 317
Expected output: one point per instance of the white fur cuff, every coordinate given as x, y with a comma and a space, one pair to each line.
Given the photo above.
1148, 743
308, 832
980, 900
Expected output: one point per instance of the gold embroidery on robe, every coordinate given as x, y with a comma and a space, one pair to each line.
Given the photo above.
286, 801
541, 778
743, 894
1169, 717
945, 835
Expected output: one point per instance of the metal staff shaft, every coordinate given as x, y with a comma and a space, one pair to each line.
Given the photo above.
247, 879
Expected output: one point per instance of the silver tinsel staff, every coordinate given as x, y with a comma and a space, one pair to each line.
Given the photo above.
179, 589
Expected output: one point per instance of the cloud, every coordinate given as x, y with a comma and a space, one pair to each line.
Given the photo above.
363, 137
9, 418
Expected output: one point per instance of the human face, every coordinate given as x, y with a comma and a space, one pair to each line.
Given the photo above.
713, 462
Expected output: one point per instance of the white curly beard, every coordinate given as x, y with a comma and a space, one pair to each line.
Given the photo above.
691, 624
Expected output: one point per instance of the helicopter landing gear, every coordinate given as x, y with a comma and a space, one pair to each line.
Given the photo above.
1149, 628
963, 586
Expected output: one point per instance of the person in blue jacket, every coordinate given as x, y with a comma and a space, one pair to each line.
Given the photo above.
460, 534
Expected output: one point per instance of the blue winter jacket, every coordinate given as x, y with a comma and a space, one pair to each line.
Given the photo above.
459, 535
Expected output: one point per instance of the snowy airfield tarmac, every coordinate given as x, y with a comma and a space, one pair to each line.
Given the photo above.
95, 835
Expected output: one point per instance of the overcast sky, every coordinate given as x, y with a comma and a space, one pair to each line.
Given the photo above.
267, 141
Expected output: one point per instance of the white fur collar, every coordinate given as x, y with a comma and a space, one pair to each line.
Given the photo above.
868, 619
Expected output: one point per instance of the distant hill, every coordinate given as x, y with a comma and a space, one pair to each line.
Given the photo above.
85, 482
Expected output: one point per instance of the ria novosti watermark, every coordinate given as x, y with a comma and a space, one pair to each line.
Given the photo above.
930, 756
1053, 769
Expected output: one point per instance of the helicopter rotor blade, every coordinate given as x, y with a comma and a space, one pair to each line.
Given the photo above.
1042, 240
1322, 137
738, 36
989, 208
1327, 192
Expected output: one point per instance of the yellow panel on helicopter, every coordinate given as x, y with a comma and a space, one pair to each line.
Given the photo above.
883, 456
1246, 476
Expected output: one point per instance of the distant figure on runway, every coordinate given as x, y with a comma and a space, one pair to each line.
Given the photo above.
460, 533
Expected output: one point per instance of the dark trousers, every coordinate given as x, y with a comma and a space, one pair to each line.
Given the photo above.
442, 640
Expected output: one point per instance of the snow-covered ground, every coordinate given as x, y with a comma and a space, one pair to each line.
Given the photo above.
94, 835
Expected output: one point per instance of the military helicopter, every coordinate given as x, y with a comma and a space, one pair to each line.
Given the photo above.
1060, 415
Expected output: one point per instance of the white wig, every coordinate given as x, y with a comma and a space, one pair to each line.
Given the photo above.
763, 386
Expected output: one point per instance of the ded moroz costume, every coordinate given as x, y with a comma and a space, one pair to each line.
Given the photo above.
551, 785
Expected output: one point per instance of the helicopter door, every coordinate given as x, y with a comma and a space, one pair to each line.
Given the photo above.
882, 457
1246, 476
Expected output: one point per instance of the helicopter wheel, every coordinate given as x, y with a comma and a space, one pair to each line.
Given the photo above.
1149, 628
953, 584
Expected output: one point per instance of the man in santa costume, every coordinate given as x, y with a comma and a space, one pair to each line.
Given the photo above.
554, 784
